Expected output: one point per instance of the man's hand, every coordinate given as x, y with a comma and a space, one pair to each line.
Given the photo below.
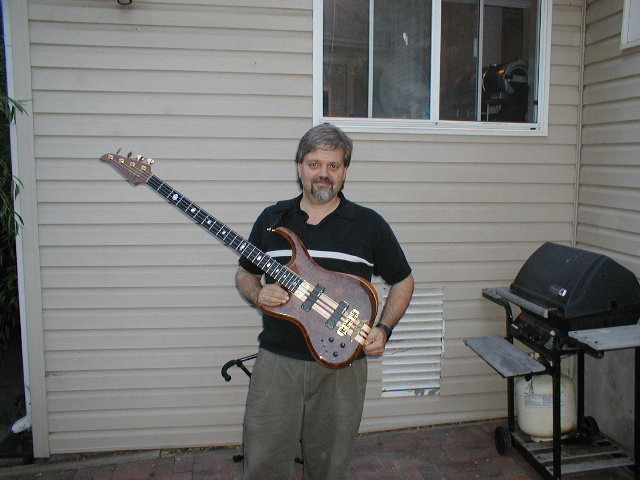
251, 288
397, 302
376, 340
272, 295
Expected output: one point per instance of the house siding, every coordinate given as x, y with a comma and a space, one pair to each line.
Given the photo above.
139, 309
608, 219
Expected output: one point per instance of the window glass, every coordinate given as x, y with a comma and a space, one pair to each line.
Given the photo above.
401, 59
377, 60
509, 59
459, 60
346, 58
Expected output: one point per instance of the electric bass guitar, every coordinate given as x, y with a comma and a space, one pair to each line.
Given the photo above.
335, 311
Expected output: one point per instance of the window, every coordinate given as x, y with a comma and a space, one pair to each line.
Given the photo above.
434, 64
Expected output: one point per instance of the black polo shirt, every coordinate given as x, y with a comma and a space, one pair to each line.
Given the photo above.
351, 239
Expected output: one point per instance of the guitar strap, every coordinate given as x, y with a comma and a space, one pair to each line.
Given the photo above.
275, 216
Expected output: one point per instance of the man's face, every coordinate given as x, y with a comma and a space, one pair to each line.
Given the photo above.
322, 174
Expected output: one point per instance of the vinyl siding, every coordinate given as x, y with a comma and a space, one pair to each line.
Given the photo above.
609, 200
608, 215
138, 305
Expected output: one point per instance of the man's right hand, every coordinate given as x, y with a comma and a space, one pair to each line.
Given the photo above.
272, 295
251, 288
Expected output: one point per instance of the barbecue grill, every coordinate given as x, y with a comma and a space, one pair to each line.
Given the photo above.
571, 302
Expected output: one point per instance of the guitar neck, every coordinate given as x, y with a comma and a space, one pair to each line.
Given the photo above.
281, 274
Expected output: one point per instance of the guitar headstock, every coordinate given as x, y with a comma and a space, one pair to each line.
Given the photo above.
135, 169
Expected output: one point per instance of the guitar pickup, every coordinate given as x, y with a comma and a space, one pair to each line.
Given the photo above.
337, 314
313, 297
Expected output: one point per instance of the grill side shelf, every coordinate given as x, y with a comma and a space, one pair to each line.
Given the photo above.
610, 338
503, 356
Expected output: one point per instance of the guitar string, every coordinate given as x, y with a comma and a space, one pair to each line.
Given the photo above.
324, 304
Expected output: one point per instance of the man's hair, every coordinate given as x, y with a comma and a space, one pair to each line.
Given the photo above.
325, 137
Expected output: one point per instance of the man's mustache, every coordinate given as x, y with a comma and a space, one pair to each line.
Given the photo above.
323, 180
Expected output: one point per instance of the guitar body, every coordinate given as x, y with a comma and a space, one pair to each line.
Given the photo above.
327, 346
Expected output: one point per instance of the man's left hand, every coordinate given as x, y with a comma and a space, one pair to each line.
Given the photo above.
376, 340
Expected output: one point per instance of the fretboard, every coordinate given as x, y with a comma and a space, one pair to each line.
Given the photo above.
281, 274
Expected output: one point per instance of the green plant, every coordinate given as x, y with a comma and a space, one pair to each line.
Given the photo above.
10, 222
8, 107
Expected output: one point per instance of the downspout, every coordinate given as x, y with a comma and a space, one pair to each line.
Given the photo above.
25, 422
583, 41
16, 25
572, 364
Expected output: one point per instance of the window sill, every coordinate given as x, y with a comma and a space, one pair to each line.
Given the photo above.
440, 127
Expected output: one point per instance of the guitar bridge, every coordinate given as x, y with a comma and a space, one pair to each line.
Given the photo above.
353, 328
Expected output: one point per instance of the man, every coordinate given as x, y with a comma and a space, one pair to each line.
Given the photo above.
292, 398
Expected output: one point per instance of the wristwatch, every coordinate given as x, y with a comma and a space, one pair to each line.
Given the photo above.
386, 329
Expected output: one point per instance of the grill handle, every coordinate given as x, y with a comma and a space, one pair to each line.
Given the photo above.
523, 303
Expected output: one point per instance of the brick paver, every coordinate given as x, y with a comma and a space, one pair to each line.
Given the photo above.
453, 452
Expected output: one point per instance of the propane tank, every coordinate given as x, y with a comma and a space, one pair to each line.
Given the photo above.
534, 406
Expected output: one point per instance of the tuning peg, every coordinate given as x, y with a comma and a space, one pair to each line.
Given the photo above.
129, 155
150, 161
139, 157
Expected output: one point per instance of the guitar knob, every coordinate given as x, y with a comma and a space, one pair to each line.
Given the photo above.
335, 354
331, 339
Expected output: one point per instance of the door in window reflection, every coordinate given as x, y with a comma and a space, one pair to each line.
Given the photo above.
488, 60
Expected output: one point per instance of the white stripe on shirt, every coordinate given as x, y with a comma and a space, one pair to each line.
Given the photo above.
322, 254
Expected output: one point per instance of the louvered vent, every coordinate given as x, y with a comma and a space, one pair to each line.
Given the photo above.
412, 358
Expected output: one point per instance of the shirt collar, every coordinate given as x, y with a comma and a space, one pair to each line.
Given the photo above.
345, 208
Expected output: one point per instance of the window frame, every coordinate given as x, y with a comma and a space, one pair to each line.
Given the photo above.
421, 126
630, 34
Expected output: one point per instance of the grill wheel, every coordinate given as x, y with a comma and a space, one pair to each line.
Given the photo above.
502, 438
589, 427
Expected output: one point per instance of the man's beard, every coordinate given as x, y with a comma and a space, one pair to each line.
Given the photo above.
323, 193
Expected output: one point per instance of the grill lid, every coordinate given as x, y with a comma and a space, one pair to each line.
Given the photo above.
579, 284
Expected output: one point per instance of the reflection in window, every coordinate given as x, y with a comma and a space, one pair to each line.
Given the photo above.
377, 71
502, 51
401, 59
346, 58
459, 60
377, 60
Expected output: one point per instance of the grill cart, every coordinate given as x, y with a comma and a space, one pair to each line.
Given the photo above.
572, 302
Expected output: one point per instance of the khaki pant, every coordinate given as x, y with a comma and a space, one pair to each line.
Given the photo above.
295, 401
